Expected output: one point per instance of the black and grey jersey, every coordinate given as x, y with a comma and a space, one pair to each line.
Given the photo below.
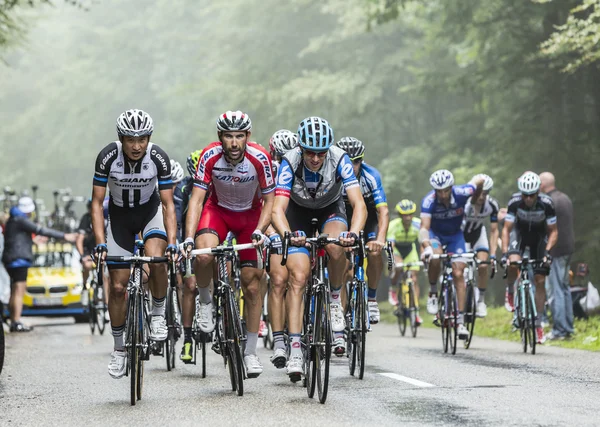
475, 216
533, 220
130, 183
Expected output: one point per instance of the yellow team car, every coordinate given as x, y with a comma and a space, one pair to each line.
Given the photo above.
54, 283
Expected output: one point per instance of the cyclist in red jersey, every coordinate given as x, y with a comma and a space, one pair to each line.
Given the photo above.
239, 174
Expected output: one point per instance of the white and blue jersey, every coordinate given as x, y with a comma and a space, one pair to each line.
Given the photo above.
446, 221
371, 187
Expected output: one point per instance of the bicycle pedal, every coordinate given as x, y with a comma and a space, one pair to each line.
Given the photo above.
295, 377
216, 348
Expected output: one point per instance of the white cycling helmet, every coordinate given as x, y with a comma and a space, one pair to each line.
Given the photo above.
441, 179
488, 182
134, 123
234, 121
176, 171
282, 141
529, 183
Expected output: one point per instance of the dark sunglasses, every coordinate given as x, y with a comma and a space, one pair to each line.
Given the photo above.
528, 196
320, 155
357, 161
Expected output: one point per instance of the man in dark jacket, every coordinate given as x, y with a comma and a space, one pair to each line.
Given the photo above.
557, 283
18, 254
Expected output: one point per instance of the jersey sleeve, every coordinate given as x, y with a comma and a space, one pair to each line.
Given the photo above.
345, 172
511, 212
495, 209
549, 210
208, 158
463, 192
285, 179
163, 167
377, 191
427, 205
104, 161
264, 168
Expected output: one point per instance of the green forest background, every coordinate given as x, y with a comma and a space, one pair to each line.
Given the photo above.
494, 86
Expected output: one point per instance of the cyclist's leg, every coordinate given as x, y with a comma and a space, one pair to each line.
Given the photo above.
298, 266
515, 252
211, 230
456, 244
279, 280
540, 274
374, 266
412, 257
433, 273
120, 240
86, 266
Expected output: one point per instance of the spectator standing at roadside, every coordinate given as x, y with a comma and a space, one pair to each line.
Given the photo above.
18, 254
557, 282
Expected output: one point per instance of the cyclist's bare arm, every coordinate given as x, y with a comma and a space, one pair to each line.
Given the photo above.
508, 226
98, 194
494, 232
265, 215
552, 236
278, 218
424, 231
359, 209
170, 219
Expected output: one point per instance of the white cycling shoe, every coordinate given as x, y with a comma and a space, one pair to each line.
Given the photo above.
462, 332
253, 366
279, 358
481, 309
337, 317
205, 316
117, 364
158, 328
432, 304
374, 314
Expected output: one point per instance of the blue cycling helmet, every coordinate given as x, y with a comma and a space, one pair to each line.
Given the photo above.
315, 134
441, 179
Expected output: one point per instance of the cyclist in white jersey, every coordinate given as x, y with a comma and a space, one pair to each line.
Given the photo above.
131, 168
280, 143
476, 237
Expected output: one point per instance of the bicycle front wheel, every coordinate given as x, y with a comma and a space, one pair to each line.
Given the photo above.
132, 359
453, 318
100, 309
470, 314
361, 333
442, 319
401, 311
413, 310
322, 344
531, 320
233, 334
91, 308
141, 341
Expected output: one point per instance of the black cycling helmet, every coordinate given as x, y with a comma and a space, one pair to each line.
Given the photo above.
352, 146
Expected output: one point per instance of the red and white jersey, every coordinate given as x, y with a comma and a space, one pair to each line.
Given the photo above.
237, 188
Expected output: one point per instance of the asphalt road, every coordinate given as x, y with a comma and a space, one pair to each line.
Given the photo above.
57, 375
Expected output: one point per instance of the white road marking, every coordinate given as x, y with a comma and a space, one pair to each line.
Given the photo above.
406, 379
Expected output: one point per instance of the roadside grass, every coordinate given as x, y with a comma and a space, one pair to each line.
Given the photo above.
497, 324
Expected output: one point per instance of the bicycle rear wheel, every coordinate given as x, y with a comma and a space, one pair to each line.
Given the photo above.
401, 311
530, 320
361, 332
412, 310
470, 314
323, 344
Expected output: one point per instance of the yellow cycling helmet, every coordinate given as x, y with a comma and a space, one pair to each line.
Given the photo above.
192, 162
406, 207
